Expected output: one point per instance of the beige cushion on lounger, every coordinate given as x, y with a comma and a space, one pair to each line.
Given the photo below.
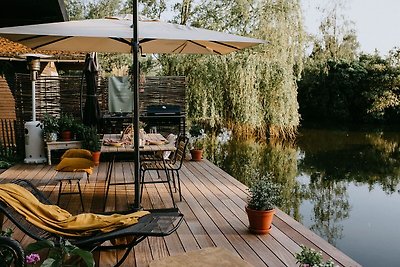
207, 257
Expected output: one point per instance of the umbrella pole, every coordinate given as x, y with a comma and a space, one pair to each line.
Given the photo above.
135, 79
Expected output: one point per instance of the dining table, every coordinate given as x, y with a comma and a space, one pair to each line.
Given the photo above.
117, 147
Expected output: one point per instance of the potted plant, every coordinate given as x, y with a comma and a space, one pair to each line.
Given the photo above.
91, 141
264, 196
66, 123
78, 129
50, 128
196, 141
308, 257
62, 254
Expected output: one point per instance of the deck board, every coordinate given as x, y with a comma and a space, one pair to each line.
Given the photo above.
213, 205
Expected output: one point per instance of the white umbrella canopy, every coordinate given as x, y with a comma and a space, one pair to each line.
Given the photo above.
115, 35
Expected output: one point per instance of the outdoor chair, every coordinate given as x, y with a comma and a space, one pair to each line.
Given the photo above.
75, 165
161, 222
170, 166
171, 138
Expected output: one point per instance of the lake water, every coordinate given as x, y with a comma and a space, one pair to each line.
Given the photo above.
343, 185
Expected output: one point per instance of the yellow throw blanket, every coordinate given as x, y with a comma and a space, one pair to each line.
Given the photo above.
56, 220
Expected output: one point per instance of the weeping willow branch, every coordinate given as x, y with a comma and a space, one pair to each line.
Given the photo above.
253, 91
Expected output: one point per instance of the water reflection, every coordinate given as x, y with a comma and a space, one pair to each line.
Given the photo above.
241, 159
371, 158
330, 206
321, 175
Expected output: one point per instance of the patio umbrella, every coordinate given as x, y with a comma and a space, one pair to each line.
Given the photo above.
91, 112
115, 35
127, 35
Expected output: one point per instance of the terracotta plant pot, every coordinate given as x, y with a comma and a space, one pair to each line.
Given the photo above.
197, 154
260, 221
66, 135
96, 157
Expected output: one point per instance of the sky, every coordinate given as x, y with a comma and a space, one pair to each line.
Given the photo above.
377, 22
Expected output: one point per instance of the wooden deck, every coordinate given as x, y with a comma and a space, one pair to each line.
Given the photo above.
213, 205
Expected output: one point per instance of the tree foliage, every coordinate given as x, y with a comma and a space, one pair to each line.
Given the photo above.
255, 88
341, 85
362, 90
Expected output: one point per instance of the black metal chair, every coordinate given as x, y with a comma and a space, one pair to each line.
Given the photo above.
160, 222
169, 166
175, 164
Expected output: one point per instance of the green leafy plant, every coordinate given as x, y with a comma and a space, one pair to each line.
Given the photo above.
4, 164
197, 137
264, 194
50, 123
66, 122
142, 125
7, 233
60, 255
91, 139
78, 128
308, 257
8, 157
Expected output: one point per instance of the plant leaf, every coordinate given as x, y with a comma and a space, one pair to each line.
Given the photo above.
85, 255
50, 262
39, 245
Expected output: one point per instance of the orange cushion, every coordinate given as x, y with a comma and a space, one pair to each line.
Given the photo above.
75, 164
77, 153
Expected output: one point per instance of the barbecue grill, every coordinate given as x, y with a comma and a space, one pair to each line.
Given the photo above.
163, 110
164, 115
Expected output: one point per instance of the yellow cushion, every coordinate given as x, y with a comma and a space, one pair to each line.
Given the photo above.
77, 153
75, 164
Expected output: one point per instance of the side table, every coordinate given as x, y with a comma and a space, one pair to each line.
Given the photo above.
61, 145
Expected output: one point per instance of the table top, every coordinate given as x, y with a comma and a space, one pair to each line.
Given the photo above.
72, 142
154, 142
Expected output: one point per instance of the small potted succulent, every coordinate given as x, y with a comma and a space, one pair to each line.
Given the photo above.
50, 127
308, 257
196, 140
264, 197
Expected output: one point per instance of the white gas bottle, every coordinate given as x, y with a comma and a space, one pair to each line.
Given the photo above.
34, 145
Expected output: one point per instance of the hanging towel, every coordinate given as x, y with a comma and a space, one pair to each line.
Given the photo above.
120, 95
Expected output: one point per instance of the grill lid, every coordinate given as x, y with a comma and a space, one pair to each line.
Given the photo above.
163, 110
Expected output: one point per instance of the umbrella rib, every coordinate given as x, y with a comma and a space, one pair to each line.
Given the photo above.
145, 40
181, 47
44, 44
227, 45
122, 40
205, 47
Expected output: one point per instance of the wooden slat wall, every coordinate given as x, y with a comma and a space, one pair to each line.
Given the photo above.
7, 102
7, 139
56, 95
163, 90
62, 94
7, 109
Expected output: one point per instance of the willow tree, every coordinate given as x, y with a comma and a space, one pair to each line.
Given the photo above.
252, 91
